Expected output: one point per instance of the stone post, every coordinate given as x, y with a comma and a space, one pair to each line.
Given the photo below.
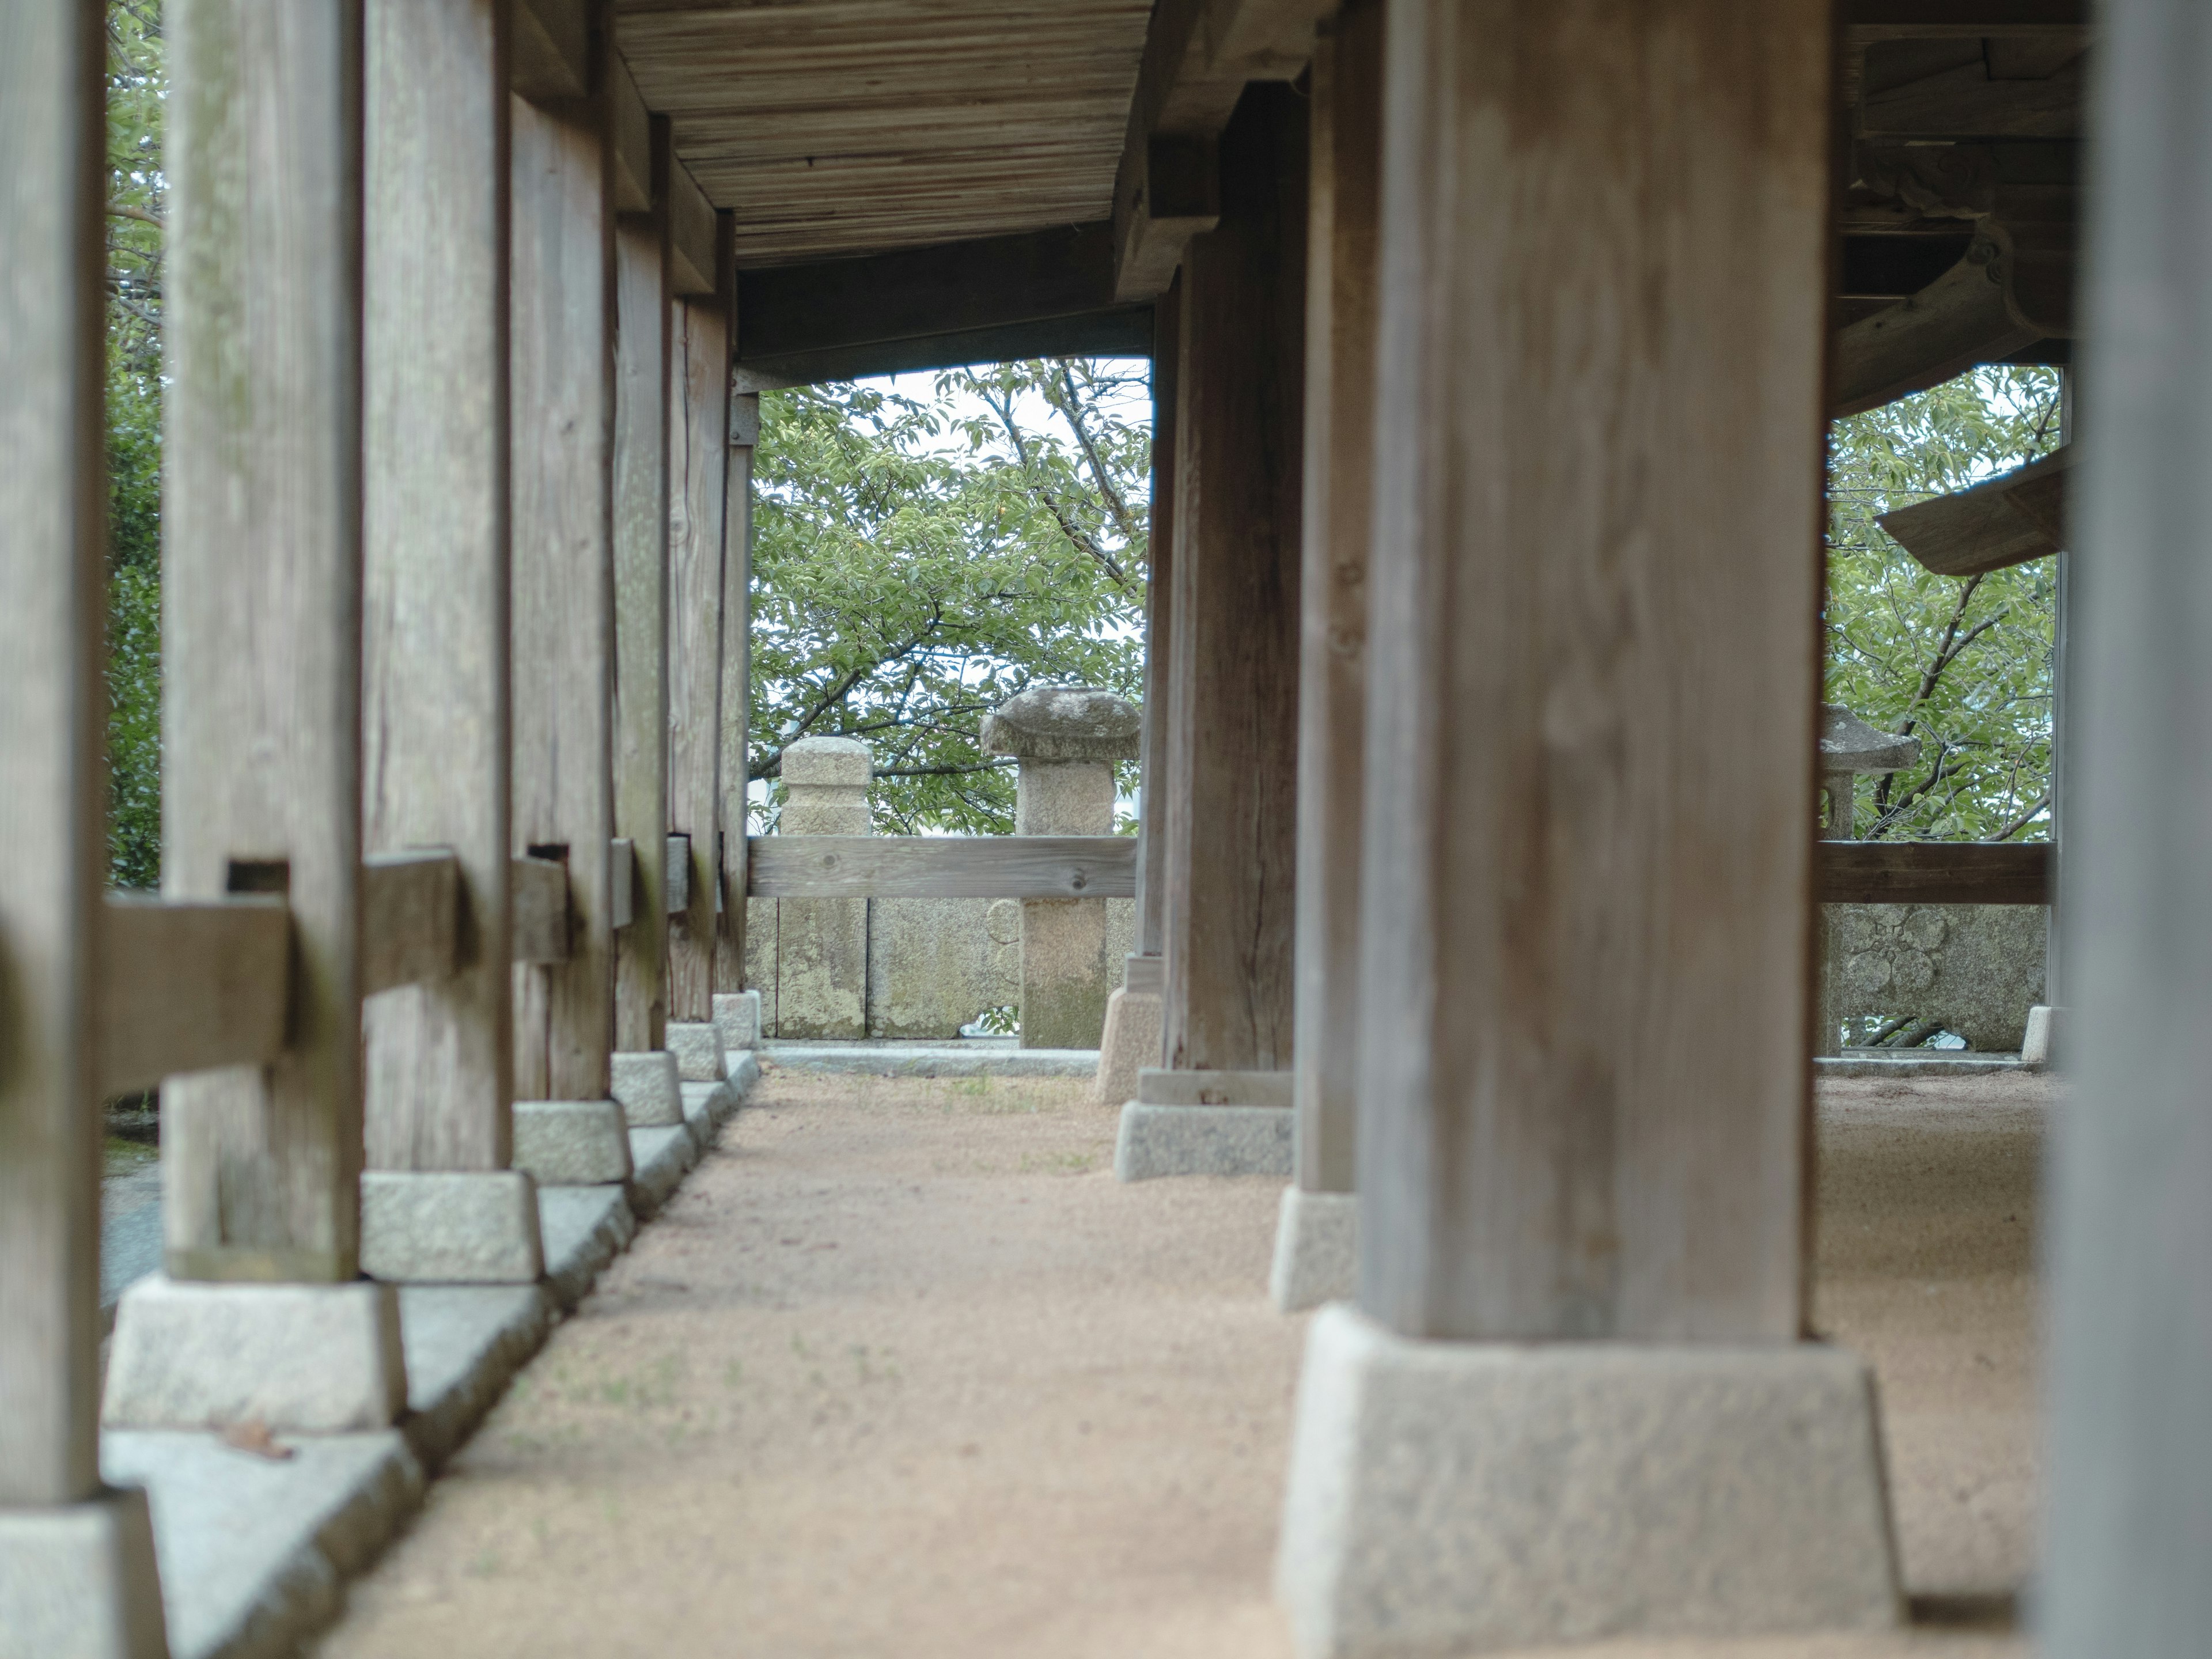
822, 945
1848, 746
1067, 738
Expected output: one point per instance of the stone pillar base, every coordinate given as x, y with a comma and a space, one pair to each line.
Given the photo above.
2040, 1046
1316, 1250
572, 1143
1462, 1498
697, 1047
1131, 1041
79, 1580
650, 1087
737, 1018
452, 1227
309, 1358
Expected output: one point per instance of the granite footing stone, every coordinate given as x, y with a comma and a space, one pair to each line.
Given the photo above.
78, 1581
1131, 1043
465, 1343
697, 1047
650, 1088
571, 1143
585, 1228
464, 1227
1202, 1140
1453, 1497
1316, 1250
1158, 1085
737, 1018
659, 1158
2039, 1048
707, 1107
312, 1358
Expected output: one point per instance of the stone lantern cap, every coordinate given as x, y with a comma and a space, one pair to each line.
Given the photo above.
1848, 744
1064, 723
838, 763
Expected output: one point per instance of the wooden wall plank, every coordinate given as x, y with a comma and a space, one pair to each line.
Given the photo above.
943, 866
1232, 864
1588, 844
1153, 833
438, 1057
188, 985
733, 766
641, 679
1341, 275
261, 607
52, 847
561, 390
698, 476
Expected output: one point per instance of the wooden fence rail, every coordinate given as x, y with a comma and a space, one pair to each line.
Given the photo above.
942, 867
1935, 872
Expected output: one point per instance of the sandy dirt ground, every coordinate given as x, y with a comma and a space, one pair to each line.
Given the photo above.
903, 1372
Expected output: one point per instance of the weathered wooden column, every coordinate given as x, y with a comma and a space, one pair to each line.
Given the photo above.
737, 1009
439, 1200
1587, 845
1232, 811
698, 463
77, 1560
2130, 1504
262, 1313
1134, 1013
1316, 1236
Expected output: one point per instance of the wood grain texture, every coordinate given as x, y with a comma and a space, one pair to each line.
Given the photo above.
1238, 488
52, 845
561, 386
691, 235
2007, 521
944, 866
858, 125
187, 986
1341, 275
410, 907
737, 694
1152, 831
552, 49
438, 1057
1960, 320
1935, 872
541, 916
261, 636
698, 463
1117, 331
640, 672
1586, 850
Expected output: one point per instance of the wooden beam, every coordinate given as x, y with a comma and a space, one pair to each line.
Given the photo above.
2007, 521
261, 597
1963, 317
190, 986
410, 917
692, 235
1965, 105
542, 919
52, 845
1123, 331
551, 58
634, 170
1950, 19
943, 866
678, 868
1935, 872
622, 893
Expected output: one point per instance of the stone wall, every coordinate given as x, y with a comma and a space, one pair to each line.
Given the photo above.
1976, 967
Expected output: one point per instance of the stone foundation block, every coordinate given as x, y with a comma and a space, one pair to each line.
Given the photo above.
650, 1087
661, 1158
1157, 1085
1202, 1140
1451, 1497
707, 1107
457, 1227
2040, 1046
697, 1047
309, 1358
571, 1143
737, 1018
78, 1581
1316, 1250
1131, 1043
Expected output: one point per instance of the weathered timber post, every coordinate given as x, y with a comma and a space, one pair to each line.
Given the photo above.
262, 1313
1067, 738
1848, 747
698, 467
822, 945
1599, 425
2130, 1503
439, 1200
737, 1009
1317, 1231
1233, 674
1136, 1010
76, 1559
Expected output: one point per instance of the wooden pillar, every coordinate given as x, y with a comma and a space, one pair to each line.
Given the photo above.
261, 608
2130, 1504
737, 688
438, 1055
561, 386
1233, 698
1159, 630
1341, 276
640, 543
1594, 671
53, 840
698, 464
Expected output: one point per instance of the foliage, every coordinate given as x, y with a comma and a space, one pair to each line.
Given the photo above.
136, 193
917, 562
1962, 665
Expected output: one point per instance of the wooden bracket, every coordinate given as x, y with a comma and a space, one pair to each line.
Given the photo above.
410, 910
186, 985
551, 55
540, 900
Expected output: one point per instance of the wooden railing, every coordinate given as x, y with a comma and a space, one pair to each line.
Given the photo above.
941, 866
1935, 872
